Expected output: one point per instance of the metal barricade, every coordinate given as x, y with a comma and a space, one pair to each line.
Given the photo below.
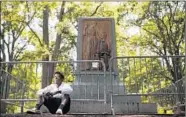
151, 79
21, 80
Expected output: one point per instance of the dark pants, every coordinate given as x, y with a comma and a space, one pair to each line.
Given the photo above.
53, 104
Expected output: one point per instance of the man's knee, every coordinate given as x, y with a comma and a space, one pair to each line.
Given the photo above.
66, 95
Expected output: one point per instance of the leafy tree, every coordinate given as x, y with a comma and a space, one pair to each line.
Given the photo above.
163, 23
161, 33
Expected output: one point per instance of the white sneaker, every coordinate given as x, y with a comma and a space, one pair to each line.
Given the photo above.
59, 111
32, 111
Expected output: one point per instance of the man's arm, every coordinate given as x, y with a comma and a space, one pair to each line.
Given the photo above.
66, 89
44, 90
56, 92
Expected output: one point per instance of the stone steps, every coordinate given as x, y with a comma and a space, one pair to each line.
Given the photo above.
91, 85
90, 90
119, 107
89, 107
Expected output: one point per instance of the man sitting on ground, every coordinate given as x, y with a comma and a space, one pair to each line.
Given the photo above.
56, 97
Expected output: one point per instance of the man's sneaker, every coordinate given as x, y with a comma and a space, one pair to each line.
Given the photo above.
37, 107
59, 111
33, 111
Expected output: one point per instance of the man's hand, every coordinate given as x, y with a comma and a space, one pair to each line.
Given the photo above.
57, 92
48, 95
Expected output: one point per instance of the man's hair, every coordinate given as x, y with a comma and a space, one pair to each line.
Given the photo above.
60, 74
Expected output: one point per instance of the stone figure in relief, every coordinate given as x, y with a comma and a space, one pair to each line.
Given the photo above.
90, 37
103, 50
95, 44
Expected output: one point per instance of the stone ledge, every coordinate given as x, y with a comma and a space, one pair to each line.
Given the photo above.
79, 115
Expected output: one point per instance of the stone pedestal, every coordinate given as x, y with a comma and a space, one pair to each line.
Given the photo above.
88, 95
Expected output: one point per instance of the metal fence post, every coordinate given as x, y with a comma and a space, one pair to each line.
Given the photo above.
22, 96
185, 50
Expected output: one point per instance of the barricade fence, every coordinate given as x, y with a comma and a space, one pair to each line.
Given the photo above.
20, 81
151, 79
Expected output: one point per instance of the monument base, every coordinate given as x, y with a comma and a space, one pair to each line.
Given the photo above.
99, 107
92, 88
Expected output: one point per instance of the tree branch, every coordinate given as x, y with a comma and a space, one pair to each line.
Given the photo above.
169, 67
35, 35
171, 17
62, 11
163, 74
28, 24
95, 11
158, 22
152, 33
19, 51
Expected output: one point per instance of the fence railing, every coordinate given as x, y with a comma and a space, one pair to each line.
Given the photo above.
21, 80
12, 88
153, 79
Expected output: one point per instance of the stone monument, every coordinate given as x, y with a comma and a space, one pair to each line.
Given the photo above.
96, 41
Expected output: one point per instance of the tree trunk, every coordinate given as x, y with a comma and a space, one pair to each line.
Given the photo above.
2, 58
0, 54
45, 72
1, 34
55, 53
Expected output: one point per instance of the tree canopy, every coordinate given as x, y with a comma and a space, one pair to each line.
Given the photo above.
35, 31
